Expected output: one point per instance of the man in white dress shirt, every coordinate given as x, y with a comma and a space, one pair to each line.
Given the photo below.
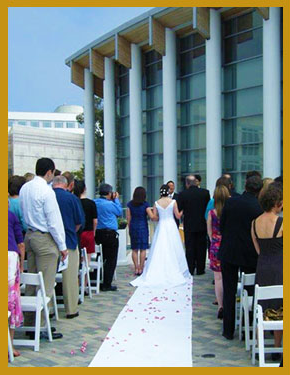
45, 237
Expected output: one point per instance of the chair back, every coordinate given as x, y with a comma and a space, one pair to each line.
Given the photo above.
248, 279
31, 278
267, 292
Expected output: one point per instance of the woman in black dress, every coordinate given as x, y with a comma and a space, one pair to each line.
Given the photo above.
267, 235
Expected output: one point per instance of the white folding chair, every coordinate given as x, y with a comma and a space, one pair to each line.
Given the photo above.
260, 325
238, 302
10, 349
85, 271
246, 303
35, 304
97, 263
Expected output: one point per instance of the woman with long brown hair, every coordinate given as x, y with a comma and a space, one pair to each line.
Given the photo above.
221, 194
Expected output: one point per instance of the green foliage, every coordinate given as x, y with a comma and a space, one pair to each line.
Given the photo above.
99, 174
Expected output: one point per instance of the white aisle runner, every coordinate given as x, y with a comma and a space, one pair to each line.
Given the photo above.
152, 330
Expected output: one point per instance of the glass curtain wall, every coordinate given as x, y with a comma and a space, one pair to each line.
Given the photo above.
152, 124
242, 96
191, 110
123, 135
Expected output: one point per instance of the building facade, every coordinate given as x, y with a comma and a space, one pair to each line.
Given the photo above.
56, 135
186, 90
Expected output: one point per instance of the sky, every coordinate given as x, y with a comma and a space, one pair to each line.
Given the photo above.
39, 41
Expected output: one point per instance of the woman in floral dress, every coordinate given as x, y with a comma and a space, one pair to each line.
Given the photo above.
221, 194
16, 252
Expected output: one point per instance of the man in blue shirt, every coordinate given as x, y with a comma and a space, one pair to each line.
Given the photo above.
73, 218
109, 208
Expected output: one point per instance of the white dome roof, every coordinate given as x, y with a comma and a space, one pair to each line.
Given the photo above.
69, 109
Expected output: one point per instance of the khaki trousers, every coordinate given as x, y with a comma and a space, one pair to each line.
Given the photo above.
70, 283
42, 255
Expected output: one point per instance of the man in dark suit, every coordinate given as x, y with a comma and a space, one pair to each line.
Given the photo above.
193, 202
237, 249
173, 195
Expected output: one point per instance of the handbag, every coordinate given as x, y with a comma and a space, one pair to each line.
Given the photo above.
271, 314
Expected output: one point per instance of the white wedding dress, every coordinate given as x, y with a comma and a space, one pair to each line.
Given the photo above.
166, 265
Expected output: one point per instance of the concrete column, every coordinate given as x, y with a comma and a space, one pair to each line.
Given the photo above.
89, 117
135, 90
213, 102
272, 95
109, 123
169, 109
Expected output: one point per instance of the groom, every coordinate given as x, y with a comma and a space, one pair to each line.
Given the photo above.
193, 202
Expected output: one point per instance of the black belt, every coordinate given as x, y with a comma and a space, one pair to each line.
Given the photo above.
107, 230
36, 230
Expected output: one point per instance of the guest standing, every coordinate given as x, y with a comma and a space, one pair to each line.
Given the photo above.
221, 194
137, 211
16, 253
237, 251
193, 202
73, 218
15, 183
267, 235
109, 208
45, 237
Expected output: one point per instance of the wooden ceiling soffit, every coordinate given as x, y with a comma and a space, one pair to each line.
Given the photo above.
156, 36
77, 74
97, 64
200, 20
123, 51
264, 12
98, 87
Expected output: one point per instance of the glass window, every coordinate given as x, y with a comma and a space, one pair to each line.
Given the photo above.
152, 56
58, 125
192, 161
243, 158
155, 165
193, 112
244, 102
124, 84
243, 74
242, 23
124, 105
81, 126
191, 41
193, 87
192, 61
243, 130
23, 123
154, 74
155, 142
34, 124
154, 97
124, 126
193, 137
70, 125
154, 119
10, 123
125, 167
46, 124
243, 46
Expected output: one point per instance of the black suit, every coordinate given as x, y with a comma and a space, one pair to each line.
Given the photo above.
193, 202
175, 197
237, 250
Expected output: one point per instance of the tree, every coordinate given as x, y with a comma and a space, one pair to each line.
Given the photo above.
99, 142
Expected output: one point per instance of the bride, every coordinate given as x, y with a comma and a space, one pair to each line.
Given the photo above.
166, 265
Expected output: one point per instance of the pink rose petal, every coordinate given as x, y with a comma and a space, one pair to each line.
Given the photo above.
72, 352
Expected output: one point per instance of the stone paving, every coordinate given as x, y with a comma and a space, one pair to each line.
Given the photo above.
97, 315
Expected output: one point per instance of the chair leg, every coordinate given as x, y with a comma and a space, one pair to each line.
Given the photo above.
98, 275
89, 281
247, 331
254, 340
46, 314
261, 346
82, 284
241, 322
37, 330
10, 349
55, 305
